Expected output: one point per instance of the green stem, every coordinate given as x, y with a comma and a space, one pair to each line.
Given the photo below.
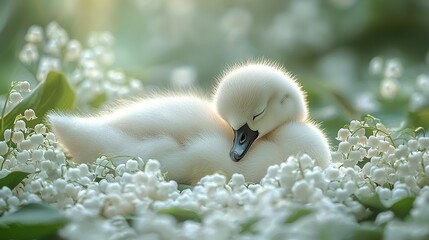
4, 160
9, 151
388, 135
300, 168
4, 109
3, 112
420, 129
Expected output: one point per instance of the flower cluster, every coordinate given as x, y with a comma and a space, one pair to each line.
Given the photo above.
127, 200
420, 97
294, 27
389, 86
32, 151
88, 69
395, 160
392, 86
18, 90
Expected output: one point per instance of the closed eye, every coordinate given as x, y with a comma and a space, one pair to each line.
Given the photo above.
259, 114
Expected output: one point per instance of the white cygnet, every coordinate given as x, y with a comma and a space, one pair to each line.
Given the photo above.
258, 117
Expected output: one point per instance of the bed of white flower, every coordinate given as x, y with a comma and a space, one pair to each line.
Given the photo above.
377, 186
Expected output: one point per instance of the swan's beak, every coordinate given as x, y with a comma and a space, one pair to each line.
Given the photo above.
243, 139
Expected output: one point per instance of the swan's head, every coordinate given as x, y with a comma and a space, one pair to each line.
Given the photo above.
255, 99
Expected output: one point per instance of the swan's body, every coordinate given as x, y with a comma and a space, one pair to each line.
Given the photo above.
258, 118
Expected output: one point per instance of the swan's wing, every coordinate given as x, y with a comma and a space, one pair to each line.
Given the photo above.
178, 117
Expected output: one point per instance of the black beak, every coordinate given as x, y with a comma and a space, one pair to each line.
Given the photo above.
243, 139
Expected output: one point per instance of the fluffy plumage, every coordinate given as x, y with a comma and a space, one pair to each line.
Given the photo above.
257, 118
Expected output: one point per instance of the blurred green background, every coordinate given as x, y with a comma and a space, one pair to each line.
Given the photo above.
327, 44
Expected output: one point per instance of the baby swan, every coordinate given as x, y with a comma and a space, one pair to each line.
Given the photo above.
183, 133
263, 103
257, 118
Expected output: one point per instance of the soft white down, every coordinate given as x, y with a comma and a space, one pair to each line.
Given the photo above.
258, 117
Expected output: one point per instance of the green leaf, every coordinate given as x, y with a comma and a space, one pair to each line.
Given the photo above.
419, 118
247, 226
296, 215
334, 230
367, 231
13, 179
402, 208
181, 214
54, 93
372, 202
32, 221
98, 100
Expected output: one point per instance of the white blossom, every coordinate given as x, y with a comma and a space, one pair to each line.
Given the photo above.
152, 166
423, 143
3, 148
29, 54
19, 125
29, 114
24, 144
423, 83
393, 68
17, 136
34, 34
73, 50
131, 165
24, 86
15, 97
7, 134
376, 65
389, 88
344, 147
37, 139
40, 129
